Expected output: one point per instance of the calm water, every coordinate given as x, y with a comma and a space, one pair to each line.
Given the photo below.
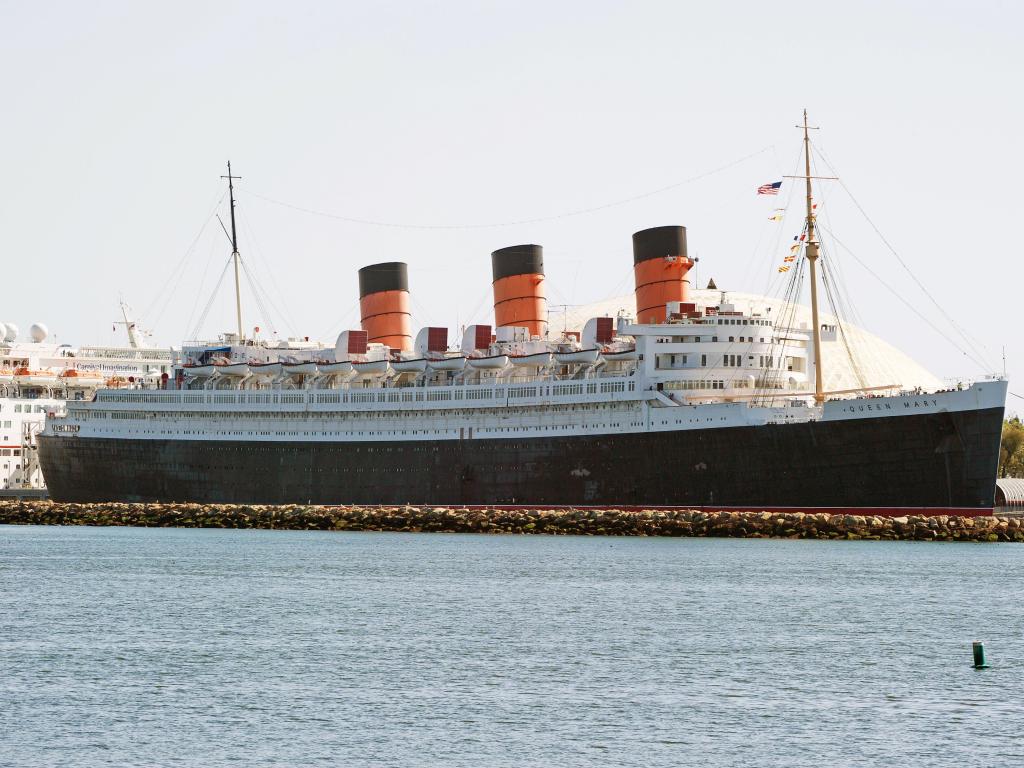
251, 648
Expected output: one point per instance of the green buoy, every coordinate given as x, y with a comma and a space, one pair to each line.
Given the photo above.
979, 655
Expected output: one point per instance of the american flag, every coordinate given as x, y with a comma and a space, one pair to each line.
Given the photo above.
769, 189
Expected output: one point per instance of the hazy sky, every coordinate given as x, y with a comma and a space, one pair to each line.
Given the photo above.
119, 117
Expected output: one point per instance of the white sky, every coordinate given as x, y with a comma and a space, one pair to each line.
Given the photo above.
119, 117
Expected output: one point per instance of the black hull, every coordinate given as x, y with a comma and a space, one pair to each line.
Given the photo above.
940, 461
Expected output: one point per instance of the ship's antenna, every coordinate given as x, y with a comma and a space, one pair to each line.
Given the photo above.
812, 258
234, 249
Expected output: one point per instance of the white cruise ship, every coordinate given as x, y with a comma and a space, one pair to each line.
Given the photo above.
38, 377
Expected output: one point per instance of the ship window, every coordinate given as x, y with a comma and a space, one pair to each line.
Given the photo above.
732, 338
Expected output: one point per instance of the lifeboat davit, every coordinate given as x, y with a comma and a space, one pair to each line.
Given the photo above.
372, 367
618, 355
456, 363
265, 369
307, 368
418, 365
578, 357
491, 362
537, 359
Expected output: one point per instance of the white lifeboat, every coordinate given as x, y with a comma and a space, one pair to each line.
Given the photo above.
618, 355
578, 357
491, 362
372, 367
307, 368
418, 365
27, 378
232, 369
265, 369
535, 359
198, 371
341, 368
456, 363
73, 377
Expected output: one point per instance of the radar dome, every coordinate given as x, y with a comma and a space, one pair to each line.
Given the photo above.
12, 332
38, 332
3, 332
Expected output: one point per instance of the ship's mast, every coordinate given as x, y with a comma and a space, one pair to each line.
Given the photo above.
234, 250
129, 326
812, 259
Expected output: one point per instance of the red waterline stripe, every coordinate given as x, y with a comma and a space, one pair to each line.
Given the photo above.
863, 511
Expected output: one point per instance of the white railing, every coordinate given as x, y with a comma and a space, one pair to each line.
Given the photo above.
123, 353
491, 394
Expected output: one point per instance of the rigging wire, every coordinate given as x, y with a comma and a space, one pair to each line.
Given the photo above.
846, 308
209, 304
780, 228
257, 294
771, 374
535, 220
258, 251
906, 303
831, 279
170, 285
970, 342
202, 282
338, 324
422, 313
827, 280
774, 280
479, 306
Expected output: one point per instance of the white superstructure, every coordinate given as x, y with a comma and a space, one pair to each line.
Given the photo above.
38, 376
717, 366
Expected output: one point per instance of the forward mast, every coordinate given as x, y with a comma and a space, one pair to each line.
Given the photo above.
812, 253
234, 251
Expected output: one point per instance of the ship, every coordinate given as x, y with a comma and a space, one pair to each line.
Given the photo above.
685, 403
38, 376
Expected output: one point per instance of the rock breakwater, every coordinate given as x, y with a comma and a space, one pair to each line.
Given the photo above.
587, 522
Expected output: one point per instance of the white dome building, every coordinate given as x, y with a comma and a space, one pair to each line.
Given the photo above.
874, 363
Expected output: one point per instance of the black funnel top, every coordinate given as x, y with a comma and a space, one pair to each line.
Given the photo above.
389, 276
517, 260
659, 242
